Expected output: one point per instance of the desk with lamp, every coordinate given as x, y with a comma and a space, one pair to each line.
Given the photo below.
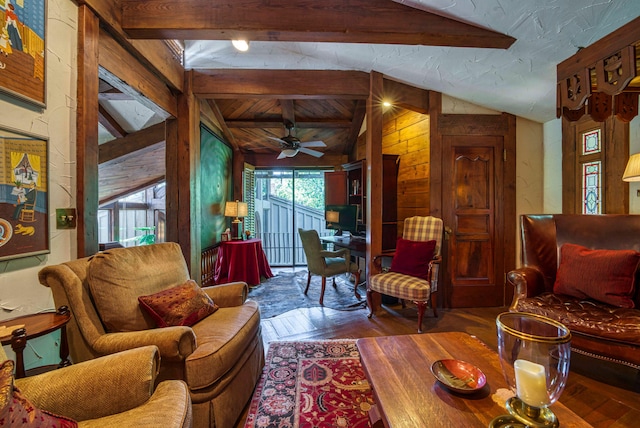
344, 220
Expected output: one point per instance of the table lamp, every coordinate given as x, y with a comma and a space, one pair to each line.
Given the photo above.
534, 355
332, 216
236, 209
632, 171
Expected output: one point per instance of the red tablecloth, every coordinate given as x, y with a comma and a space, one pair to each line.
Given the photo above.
242, 261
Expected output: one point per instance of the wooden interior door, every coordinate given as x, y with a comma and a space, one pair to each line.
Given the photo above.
477, 209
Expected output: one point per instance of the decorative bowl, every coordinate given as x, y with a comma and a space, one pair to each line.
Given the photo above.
459, 376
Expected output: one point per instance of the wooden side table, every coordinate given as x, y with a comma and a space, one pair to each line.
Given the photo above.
37, 325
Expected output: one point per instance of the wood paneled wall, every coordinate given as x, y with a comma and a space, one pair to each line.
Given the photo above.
407, 133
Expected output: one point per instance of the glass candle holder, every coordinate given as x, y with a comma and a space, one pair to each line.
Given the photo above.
534, 355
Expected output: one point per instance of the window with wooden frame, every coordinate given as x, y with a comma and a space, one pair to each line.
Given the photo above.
594, 157
590, 158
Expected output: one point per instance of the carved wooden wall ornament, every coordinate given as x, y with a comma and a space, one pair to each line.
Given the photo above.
614, 73
599, 76
600, 106
626, 106
574, 90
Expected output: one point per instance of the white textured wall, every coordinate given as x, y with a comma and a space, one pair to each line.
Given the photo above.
20, 291
552, 167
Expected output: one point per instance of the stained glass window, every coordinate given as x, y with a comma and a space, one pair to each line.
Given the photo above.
591, 142
591, 187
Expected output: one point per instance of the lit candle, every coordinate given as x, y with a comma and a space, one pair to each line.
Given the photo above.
531, 383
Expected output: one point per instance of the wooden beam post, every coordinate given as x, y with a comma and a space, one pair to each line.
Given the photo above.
185, 195
374, 168
87, 133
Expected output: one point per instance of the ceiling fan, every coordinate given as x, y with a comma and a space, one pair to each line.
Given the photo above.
291, 145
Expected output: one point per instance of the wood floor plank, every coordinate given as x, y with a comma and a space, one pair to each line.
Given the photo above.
599, 403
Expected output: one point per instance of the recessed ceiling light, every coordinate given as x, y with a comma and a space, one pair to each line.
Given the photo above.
386, 103
241, 45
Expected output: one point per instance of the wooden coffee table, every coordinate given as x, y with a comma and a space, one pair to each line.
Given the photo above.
407, 394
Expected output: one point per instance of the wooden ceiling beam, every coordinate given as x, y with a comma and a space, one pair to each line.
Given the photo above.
283, 84
228, 135
305, 124
143, 139
356, 125
110, 124
355, 21
406, 96
114, 96
288, 113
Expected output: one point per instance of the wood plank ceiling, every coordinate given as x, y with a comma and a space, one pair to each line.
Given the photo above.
254, 110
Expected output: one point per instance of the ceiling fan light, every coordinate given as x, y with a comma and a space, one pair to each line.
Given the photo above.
290, 152
241, 45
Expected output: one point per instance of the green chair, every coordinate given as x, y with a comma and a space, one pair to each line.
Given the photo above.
325, 263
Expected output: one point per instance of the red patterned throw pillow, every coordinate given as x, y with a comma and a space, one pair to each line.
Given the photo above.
17, 411
184, 304
607, 276
413, 257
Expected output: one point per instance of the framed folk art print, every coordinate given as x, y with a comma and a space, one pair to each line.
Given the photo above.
22, 49
24, 201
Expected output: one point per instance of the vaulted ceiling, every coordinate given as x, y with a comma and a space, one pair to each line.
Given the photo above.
495, 53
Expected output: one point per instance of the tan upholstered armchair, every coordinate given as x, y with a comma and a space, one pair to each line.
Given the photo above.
325, 263
220, 357
116, 390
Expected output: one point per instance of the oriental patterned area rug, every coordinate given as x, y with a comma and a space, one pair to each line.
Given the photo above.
285, 292
311, 385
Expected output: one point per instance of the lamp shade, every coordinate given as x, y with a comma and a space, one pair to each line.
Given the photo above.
332, 216
236, 209
632, 171
243, 210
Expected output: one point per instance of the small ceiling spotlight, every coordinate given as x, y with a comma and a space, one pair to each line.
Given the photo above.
241, 45
386, 104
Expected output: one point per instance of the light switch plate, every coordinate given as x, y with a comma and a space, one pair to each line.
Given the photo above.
66, 218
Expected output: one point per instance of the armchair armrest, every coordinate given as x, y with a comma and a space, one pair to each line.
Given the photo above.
377, 260
527, 282
342, 252
228, 295
96, 388
174, 343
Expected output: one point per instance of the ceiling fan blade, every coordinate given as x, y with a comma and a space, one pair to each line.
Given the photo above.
281, 156
279, 140
313, 144
311, 152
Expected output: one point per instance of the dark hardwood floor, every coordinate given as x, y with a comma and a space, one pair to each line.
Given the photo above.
600, 404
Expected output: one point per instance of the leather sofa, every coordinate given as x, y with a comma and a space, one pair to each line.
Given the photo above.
598, 329
219, 357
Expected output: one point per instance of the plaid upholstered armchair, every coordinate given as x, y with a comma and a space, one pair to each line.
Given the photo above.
413, 274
